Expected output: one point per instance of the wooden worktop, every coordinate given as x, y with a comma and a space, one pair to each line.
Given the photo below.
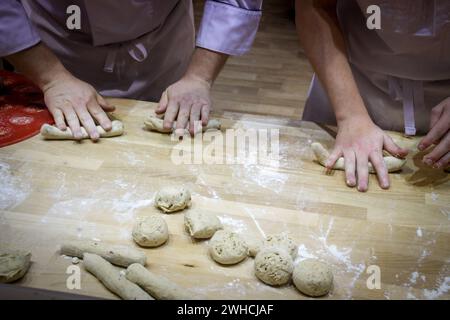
52, 191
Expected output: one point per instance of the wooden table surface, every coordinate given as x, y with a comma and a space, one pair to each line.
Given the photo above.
52, 191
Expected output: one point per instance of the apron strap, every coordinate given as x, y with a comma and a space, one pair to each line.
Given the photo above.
136, 50
410, 92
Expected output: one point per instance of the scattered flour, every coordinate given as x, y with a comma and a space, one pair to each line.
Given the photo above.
419, 232
13, 190
442, 289
235, 225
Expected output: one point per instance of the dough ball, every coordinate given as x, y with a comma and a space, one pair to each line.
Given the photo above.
150, 231
227, 247
13, 264
274, 266
201, 224
283, 241
313, 278
171, 199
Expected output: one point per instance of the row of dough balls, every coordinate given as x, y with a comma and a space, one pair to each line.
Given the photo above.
274, 256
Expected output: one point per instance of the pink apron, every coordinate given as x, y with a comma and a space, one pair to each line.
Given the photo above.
125, 48
402, 71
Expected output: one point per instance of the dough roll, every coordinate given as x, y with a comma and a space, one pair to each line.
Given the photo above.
112, 279
393, 164
158, 287
116, 254
49, 132
154, 123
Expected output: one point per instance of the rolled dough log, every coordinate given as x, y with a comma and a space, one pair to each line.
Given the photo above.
112, 279
49, 132
227, 247
172, 198
201, 224
313, 278
392, 164
154, 123
116, 254
13, 264
274, 266
158, 287
281, 240
150, 231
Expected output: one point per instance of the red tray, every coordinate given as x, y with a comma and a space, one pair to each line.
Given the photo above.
22, 109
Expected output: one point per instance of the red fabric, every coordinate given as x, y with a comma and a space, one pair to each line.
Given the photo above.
22, 109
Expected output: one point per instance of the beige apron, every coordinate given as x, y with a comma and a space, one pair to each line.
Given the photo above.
125, 48
402, 71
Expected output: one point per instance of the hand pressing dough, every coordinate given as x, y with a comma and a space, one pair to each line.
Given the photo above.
13, 264
112, 279
171, 199
227, 247
150, 231
201, 224
158, 287
274, 266
53, 133
116, 254
154, 123
392, 164
313, 278
280, 240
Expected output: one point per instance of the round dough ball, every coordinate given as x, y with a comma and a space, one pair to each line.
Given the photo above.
171, 199
201, 224
274, 266
227, 247
150, 231
283, 241
13, 265
313, 278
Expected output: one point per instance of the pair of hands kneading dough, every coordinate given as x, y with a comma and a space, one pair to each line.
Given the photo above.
50, 132
393, 164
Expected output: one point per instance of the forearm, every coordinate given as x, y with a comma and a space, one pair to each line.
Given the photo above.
39, 64
324, 45
205, 65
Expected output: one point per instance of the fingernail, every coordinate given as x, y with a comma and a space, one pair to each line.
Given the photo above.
428, 161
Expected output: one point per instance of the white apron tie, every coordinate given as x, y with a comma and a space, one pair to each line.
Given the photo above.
410, 92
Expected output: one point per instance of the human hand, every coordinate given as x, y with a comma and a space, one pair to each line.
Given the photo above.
73, 101
186, 101
438, 135
359, 141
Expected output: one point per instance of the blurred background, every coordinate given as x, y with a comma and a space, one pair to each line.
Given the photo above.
273, 79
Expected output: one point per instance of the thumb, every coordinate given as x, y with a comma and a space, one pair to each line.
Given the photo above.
162, 105
334, 156
105, 104
391, 147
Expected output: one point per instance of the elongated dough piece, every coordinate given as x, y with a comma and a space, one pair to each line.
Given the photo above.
392, 164
158, 287
112, 279
154, 123
53, 133
116, 254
